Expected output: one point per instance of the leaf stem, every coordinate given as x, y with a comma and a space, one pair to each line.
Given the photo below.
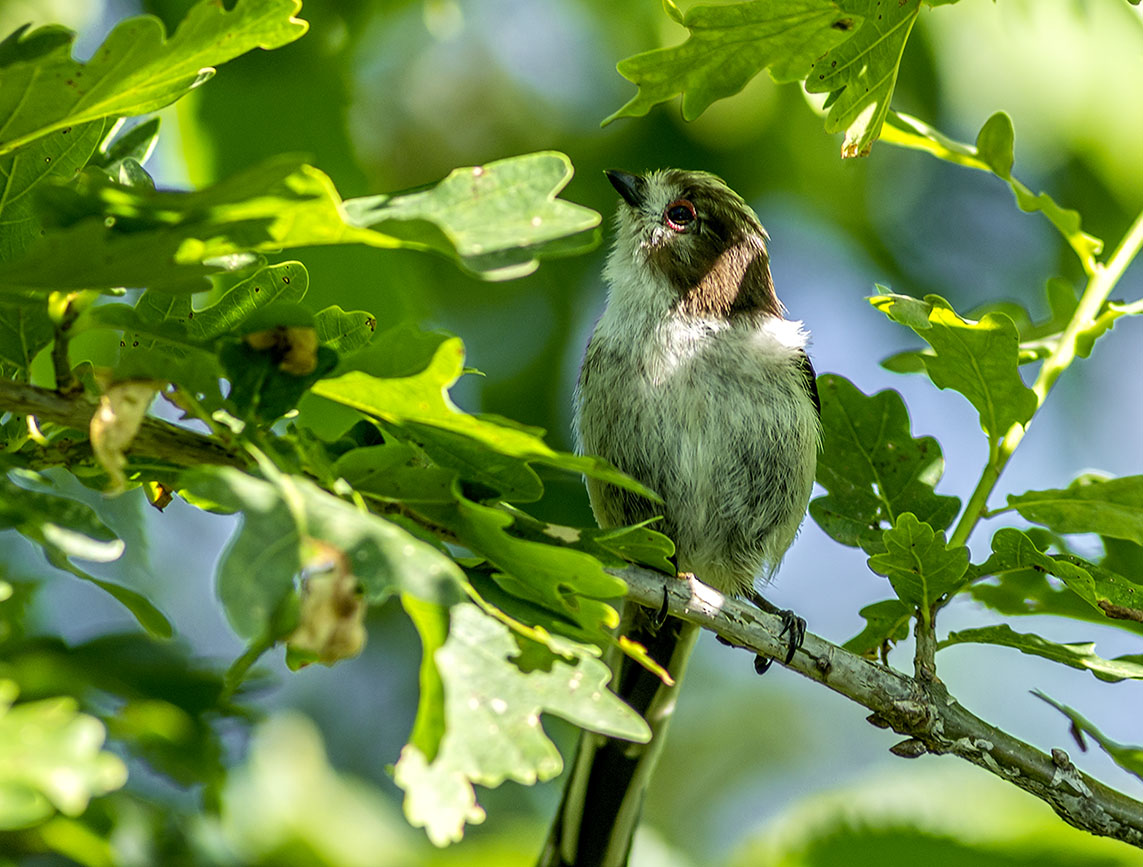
1100, 284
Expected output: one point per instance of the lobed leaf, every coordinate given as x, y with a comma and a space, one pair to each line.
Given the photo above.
886, 622
1091, 504
261, 562
860, 74
492, 710
728, 45
1077, 655
919, 562
137, 69
979, 359
1130, 758
495, 220
419, 404
872, 468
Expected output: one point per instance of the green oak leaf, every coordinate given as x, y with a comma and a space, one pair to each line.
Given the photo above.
57, 158
563, 580
395, 472
1128, 757
1090, 504
979, 359
1112, 594
137, 69
1032, 591
103, 234
261, 563
1076, 655
25, 329
728, 45
419, 403
872, 468
919, 563
860, 74
51, 759
492, 731
135, 144
993, 152
496, 220
886, 622
613, 546
344, 330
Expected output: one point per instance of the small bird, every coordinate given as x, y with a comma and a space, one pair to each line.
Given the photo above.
696, 384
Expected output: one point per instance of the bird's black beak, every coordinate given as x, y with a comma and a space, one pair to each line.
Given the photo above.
630, 186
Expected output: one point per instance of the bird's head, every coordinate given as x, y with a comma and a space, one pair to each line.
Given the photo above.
688, 237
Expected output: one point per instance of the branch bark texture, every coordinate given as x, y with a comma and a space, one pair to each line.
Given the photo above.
931, 719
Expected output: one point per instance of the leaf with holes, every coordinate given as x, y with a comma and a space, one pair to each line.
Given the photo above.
492, 710
860, 74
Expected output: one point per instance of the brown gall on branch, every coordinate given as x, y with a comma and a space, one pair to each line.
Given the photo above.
922, 710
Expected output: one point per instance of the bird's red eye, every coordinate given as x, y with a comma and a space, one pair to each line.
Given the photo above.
680, 214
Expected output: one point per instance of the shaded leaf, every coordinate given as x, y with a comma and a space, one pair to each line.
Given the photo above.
1100, 588
1090, 504
492, 713
136, 69
54, 158
873, 468
919, 563
860, 74
728, 45
1130, 758
25, 329
496, 220
1076, 655
263, 559
394, 471
886, 622
51, 758
979, 359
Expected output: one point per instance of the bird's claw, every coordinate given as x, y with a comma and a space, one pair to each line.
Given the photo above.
660, 616
792, 625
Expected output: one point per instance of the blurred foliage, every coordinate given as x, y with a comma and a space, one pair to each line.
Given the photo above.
322, 369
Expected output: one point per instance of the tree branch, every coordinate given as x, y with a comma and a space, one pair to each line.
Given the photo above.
932, 720
156, 438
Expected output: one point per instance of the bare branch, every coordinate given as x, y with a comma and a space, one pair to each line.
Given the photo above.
931, 719
155, 439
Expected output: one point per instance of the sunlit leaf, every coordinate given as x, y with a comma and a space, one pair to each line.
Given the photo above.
860, 74
496, 220
422, 400
137, 69
492, 717
728, 45
979, 359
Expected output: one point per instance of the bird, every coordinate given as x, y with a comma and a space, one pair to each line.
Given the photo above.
695, 383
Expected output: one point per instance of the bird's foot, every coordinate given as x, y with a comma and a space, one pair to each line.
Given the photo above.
792, 625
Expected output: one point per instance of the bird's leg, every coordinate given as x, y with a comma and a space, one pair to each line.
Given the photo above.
792, 625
